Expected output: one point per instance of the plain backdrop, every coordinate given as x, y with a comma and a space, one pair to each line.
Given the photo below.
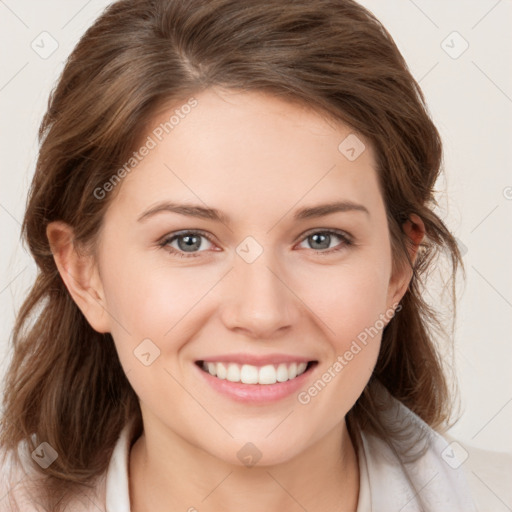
460, 52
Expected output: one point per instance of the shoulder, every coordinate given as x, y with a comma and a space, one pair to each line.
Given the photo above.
462, 476
487, 473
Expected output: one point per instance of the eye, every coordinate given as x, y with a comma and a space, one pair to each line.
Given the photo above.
321, 240
187, 244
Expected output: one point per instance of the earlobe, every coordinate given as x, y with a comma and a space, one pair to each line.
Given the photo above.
79, 274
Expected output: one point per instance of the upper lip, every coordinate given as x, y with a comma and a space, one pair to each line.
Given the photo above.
256, 360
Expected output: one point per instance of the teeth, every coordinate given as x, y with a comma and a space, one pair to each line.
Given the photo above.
233, 374
212, 368
282, 373
267, 374
249, 374
221, 370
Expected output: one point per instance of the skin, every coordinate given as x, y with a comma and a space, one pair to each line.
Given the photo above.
257, 159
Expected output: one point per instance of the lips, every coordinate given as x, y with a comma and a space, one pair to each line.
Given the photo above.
261, 390
253, 378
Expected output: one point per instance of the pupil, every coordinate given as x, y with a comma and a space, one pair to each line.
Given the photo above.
324, 240
190, 242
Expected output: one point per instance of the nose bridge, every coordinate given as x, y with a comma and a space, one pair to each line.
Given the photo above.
259, 300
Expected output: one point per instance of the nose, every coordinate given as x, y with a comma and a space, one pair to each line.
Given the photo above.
259, 301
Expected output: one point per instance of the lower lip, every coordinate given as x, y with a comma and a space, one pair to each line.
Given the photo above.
257, 393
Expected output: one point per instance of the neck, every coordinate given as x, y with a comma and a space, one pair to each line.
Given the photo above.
171, 474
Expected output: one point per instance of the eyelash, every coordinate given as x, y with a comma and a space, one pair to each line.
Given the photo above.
345, 238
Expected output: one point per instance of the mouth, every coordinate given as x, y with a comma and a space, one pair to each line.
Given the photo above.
264, 375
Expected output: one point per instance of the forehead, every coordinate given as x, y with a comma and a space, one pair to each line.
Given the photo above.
248, 150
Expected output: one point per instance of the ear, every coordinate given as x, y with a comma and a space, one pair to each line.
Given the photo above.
414, 228
80, 275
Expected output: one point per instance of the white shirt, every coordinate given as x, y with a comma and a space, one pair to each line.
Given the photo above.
449, 477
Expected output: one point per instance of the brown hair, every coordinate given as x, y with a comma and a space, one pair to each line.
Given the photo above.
65, 383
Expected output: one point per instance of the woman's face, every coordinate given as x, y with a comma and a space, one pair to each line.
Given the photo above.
276, 281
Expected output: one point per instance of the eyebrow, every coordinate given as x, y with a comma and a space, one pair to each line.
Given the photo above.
216, 215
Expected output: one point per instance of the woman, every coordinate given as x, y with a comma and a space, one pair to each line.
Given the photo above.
187, 344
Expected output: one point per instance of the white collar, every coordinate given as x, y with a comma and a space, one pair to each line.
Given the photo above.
386, 483
117, 497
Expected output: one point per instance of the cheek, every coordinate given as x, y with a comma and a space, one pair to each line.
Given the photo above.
348, 298
149, 298
160, 303
351, 304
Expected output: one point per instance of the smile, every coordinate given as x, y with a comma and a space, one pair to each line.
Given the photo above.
250, 374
